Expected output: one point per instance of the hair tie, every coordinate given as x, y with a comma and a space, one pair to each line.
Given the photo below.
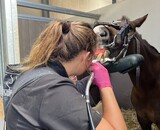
66, 27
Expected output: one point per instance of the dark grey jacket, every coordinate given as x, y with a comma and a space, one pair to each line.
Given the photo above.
51, 102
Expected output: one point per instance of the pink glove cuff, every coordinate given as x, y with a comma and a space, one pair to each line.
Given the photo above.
104, 86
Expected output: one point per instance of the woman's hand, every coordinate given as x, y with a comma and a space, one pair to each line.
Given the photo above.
101, 75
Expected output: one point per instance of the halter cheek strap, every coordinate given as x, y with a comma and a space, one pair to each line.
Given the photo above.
138, 67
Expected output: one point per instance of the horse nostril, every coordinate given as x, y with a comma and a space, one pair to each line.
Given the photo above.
101, 34
104, 34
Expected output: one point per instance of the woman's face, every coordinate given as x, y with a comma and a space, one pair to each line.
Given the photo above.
84, 62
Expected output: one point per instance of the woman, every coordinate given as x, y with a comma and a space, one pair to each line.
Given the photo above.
52, 102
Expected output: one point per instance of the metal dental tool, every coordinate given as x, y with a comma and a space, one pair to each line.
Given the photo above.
88, 100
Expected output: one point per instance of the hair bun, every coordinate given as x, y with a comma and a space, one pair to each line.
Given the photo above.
66, 27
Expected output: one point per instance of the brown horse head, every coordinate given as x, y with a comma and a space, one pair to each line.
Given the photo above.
117, 35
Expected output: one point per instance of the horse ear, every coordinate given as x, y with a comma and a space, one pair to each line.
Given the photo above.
138, 22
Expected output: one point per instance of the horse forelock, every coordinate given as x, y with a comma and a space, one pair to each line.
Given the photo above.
124, 18
121, 22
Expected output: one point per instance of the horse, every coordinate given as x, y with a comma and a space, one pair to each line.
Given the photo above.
122, 39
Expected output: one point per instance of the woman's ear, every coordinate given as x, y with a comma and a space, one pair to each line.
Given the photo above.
87, 55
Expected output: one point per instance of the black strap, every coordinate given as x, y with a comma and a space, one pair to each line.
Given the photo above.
138, 67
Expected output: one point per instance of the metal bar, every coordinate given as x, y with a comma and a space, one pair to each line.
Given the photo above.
9, 41
34, 18
12, 36
113, 1
56, 9
44, 12
2, 50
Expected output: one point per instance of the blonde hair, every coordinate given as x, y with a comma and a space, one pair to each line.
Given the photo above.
60, 41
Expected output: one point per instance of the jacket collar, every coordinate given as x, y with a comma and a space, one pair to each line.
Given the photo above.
58, 67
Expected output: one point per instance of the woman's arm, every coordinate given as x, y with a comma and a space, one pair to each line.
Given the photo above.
112, 116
